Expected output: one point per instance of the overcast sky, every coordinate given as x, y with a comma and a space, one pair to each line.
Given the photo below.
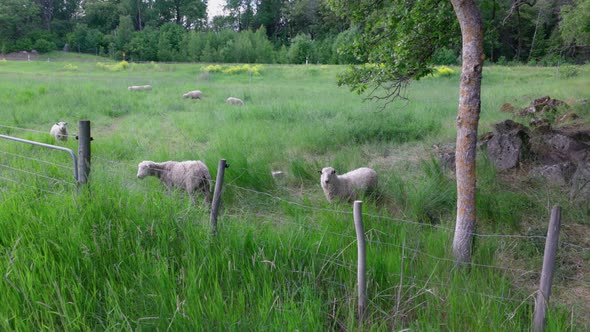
215, 8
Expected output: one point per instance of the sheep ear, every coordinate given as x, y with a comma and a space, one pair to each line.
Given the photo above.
320, 171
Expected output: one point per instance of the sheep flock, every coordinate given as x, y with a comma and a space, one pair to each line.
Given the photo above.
193, 176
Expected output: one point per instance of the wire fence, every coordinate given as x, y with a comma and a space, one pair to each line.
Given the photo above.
8, 174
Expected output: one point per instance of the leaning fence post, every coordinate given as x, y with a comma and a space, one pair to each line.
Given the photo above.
217, 194
84, 155
544, 292
361, 259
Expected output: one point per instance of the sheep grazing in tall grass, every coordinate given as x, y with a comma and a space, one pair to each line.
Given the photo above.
234, 101
348, 186
195, 94
190, 175
60, 131
140, 88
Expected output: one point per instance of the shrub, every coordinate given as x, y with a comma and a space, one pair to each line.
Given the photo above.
44, 46
70, 67
568, 71
120, 66
444, 56
237, 69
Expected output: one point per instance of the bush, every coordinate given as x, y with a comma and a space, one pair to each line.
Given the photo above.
44, 46
120, 66
445, 56
70, 67
568, 71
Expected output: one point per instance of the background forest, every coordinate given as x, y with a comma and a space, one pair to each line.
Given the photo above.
536, 32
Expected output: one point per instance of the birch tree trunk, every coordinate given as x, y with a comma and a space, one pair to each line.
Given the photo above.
469, 18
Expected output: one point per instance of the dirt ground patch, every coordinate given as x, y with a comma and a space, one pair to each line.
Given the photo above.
20, 56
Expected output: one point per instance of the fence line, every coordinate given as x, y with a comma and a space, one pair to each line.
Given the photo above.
30, 186
35, 174
36, 159
303, 206
321, 209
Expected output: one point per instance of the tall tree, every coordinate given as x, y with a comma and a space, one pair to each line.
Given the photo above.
270, 14
188, 13
397, 41
575, 23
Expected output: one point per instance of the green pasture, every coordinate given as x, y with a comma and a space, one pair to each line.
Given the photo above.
122, 254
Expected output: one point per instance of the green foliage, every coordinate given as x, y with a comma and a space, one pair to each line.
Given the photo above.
301, 49
44, 46
119, 66
399, 38
575, 23
445, 56
568, 71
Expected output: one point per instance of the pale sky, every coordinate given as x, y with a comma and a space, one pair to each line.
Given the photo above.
215, 8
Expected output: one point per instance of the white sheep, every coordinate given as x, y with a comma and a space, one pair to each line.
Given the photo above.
347, 186
195, 94
190, 175
60, 131
234, 101
139, 88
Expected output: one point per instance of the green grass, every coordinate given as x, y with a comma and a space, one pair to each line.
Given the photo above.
122, 254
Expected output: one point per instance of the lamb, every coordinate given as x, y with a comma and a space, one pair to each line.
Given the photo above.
234, 101
140, 88
195, 94
347, 186
190, 175
60, 131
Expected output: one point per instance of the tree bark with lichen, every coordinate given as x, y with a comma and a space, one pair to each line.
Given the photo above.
470, 21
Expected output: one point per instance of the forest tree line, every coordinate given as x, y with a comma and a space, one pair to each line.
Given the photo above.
542, 32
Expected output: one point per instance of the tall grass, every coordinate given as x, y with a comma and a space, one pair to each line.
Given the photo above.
123, 254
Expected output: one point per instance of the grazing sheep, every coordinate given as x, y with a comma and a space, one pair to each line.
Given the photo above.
139, 88
349, 185
195, 94
234, 101
60, 131
191, 175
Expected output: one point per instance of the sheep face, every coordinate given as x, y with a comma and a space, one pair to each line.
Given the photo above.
328, 175
144, 169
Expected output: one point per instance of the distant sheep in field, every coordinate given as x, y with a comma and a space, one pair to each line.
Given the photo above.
347, 186
191, 175
234, 101
195, 94
140, 88
60, 131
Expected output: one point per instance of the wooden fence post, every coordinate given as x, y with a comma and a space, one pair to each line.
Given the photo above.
361, 259
84, 152
542, 299
217, 194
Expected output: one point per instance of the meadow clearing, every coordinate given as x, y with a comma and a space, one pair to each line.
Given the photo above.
122, 254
